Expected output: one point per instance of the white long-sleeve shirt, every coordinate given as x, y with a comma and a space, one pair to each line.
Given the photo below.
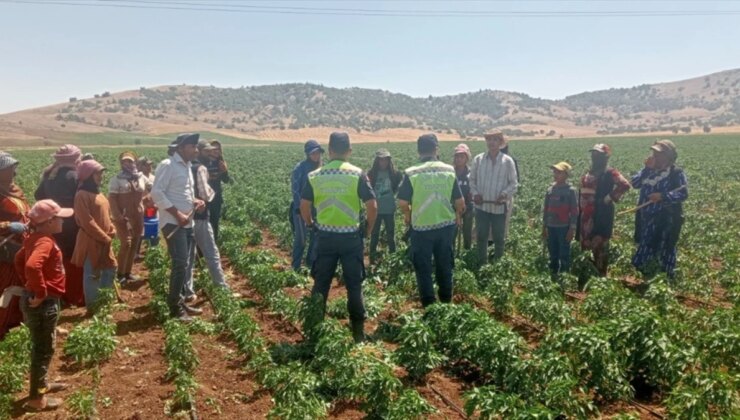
173, 186
492, 178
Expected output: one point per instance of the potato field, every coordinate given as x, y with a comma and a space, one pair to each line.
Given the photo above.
511, 346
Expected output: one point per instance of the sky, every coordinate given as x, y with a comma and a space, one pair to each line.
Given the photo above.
50, 52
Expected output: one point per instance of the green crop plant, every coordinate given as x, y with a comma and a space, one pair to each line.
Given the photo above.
416, 351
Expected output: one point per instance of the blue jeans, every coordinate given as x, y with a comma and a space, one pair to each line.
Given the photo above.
486, 223
347, 248
301, 233
93, 280
181, 247
207, 244
559, 249
437, 244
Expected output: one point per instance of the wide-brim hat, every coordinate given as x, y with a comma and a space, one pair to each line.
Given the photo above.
495, 135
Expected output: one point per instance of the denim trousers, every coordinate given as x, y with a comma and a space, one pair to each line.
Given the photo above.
205, 241
41, 322
347, 248
95, 279
181, 247
433, 250
559, 249
301, 234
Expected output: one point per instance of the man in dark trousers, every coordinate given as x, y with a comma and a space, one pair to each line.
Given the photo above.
428, 192
337, 191
218, 173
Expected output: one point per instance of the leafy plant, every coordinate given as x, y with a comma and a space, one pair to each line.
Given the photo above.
416, 350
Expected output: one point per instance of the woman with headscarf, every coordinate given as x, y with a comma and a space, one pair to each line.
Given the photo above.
59, 183
385, 180
600, 188
13, 220
93, 249
125, 194
663, 189
462, 172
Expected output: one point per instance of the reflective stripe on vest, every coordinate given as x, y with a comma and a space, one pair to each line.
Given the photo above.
335, 196
432, 183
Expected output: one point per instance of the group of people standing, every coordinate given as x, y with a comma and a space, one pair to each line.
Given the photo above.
60, 250
439, 201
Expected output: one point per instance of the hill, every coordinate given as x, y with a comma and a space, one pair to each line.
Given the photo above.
299, 111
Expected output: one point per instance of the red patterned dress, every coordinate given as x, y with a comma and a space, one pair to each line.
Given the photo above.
13, 208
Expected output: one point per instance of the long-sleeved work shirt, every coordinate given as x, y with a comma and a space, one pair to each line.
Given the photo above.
173, 186
491, 178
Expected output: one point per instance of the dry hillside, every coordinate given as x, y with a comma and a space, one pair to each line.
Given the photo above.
299, 111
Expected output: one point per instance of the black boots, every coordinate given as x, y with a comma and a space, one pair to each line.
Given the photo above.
358, 331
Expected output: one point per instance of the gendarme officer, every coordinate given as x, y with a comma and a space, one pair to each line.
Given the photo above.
432, 204
337, 191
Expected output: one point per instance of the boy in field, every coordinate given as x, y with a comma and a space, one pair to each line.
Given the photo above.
39, 264
560, 217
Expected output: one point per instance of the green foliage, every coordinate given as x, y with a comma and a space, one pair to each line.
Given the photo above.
93, 342
488, 403
294, 392
181, 356
416, 350
81, 404
705, 395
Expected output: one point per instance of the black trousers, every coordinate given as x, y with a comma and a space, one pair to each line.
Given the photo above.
347, 248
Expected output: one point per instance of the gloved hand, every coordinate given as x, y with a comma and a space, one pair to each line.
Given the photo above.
16, 228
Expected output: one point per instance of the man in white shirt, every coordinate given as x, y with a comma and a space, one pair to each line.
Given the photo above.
173, 192
492, 184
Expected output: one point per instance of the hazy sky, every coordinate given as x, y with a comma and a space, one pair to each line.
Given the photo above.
49, 52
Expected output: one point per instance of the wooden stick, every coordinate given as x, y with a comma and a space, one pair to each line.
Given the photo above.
448, 402
179, 226
647, 203
646, 408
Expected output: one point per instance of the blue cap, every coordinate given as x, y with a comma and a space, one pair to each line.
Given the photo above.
312, 146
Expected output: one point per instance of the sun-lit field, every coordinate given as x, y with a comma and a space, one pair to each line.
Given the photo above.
511, 346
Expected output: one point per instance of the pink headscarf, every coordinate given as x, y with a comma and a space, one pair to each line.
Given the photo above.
86, 168
66, 156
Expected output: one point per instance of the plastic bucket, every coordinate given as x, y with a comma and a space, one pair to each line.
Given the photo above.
151, 228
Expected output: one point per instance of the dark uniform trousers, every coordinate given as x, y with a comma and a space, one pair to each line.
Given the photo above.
346, 248
437, 244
